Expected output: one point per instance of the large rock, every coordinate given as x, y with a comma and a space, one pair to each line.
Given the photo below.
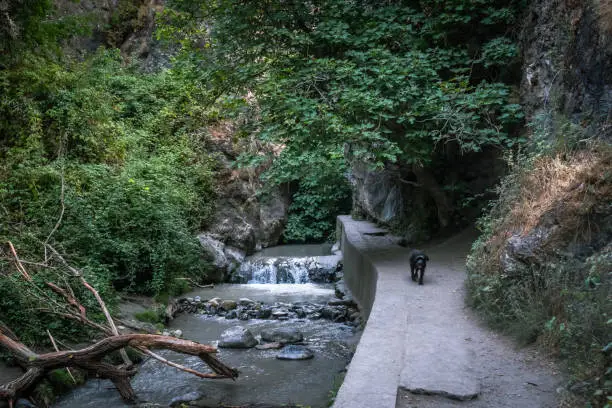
225, 258
524, 251
228, 305
324, 269
237, 337
294, 352
269, 346
273, 217
214, 250
567, 65
245, 220
285, 335
376, 194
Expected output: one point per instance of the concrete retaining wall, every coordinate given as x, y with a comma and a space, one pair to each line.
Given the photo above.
360, 276
374, 272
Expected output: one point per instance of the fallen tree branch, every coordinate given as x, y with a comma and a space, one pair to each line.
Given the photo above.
62, 203
90, 360
197, 284
57, 349
18, 263
412, 183
100, 301
182, 367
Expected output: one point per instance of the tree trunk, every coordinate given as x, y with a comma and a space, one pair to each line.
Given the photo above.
428, 181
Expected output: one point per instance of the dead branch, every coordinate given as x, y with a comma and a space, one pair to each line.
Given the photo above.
90, 360
70, 299
4, 329
63, 207
18, 263
57, 349
181, 367
197, 284
72, 316
99, 299
412, 183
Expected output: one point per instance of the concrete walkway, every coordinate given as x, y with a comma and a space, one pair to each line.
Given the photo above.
421, 346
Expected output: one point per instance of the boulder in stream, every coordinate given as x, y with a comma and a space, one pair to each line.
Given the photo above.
228, 305
285, 335
237, 337
186, 398
293, 352
246, 302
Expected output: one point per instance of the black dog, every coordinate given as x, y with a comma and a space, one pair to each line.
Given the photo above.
418, 262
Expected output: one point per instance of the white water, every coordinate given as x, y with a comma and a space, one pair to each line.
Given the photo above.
277, 270
289, 264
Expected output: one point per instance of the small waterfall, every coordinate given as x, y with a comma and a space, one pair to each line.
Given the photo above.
287, 269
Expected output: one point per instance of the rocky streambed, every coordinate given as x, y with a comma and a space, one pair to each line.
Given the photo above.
290, 342
339, 311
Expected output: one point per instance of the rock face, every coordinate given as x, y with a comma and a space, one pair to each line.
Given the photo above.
132, 34
237, 337
221, 256
245, 220
293, 352
417, 207
567, 63
377, 194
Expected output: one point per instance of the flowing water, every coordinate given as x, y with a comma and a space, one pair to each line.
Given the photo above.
289, 264
263, 378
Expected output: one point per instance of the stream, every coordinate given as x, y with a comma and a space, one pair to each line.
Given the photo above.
263, 378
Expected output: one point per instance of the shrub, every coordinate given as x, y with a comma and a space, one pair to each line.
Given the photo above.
561, 299
109, 153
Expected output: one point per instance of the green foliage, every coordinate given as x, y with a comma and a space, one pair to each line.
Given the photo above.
24, 309
125, 19
150, 316
561, 299
63, 381
32, 24
322, 193
499, 51
114, 148
394, 81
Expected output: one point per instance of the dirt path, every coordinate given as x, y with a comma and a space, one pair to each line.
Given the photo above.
448, 350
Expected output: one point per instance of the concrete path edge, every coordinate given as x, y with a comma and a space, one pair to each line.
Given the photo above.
373, 375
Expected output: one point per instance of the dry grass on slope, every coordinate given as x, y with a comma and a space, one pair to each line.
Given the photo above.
567, 190
541, 270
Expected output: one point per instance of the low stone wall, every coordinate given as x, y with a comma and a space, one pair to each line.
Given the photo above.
374, 272
360, 276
